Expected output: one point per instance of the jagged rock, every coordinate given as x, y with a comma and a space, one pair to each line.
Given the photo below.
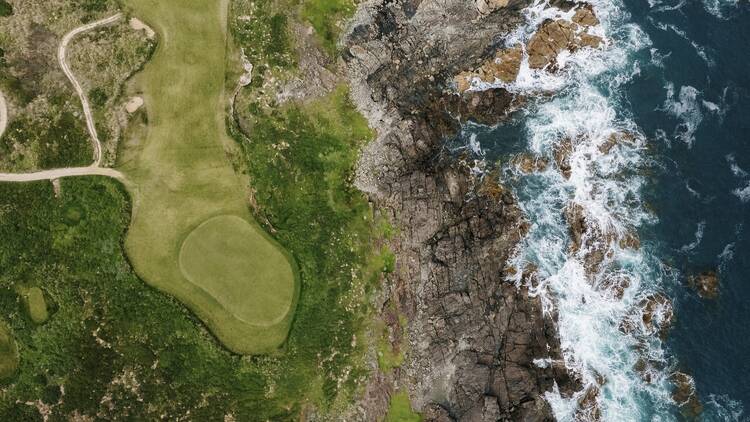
472, 337
551, 38
614, 285
554, 36
657, 314
588, 240
562, 156
585, 16
504, 67
685, 396
588, 409
706, 284
488, 6
616, 139
528, 163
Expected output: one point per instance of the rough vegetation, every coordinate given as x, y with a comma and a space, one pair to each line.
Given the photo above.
114, 348
46, 126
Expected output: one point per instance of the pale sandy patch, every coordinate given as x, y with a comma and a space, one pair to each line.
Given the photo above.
134, 104
138, 25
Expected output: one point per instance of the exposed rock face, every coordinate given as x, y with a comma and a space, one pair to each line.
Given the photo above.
489, 6
554, 36
473, 337
504, 66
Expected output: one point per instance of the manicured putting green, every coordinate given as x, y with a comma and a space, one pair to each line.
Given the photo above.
36, 305
233, 262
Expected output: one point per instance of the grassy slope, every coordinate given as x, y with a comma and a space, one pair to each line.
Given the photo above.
399, 409
182, 172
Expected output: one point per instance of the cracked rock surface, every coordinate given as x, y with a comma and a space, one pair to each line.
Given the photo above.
473, 337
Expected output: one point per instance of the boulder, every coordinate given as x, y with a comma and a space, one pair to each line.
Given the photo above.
488, 6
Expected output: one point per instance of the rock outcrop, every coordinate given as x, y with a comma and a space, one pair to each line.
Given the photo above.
473, 337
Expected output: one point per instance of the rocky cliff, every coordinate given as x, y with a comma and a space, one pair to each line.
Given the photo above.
473, 337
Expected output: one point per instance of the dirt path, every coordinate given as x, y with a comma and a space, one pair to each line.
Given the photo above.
92, 170
61, 173
84, 101
3, 115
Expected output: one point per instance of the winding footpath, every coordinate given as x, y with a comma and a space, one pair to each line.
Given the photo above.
92, 170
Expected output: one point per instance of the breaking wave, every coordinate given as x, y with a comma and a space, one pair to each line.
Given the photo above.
585, 210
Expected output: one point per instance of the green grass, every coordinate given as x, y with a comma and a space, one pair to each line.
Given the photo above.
35, 304
399, 409
182, 175
234, 263
5, 9
326, 16
8, 352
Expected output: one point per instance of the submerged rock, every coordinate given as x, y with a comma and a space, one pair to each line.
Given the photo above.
528, 163
706, 284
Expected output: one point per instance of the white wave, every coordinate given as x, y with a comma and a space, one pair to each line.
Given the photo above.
720, 8
686, 108
698, 238
737, 171
723, 408
726, 255
607, 187
474, 145
701, 51
743, 193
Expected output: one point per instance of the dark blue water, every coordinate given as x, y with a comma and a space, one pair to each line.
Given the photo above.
710, 54
676, 75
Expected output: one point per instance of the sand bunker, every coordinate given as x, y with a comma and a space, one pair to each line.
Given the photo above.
134, 104
138, 25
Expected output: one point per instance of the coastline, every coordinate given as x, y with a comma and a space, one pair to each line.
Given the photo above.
473, 337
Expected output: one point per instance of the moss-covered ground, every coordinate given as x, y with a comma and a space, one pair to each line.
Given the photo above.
399, 409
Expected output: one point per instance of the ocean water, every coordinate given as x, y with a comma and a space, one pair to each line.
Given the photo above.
658, 128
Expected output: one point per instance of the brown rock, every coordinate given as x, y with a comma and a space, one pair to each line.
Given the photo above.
706, 284
550, 39
615, 285
630, 240
685, 396
588, 409
488, 6
507, 63
528, 163
562, 156
585, 16
616, 139
504, 66
471, 338
656, 314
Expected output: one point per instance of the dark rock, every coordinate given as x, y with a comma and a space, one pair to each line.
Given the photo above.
706, 284
685, 396
473, 337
